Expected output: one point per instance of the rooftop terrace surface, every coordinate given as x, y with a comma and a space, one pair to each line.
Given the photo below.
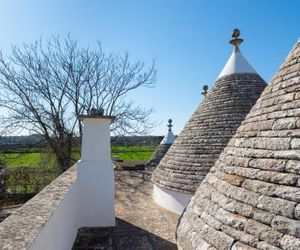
140, 223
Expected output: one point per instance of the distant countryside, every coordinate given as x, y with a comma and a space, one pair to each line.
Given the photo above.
34, 157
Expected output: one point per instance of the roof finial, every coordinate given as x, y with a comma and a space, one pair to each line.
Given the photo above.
205, 88
170, 124
235, 41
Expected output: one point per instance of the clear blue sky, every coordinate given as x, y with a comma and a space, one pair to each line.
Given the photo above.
188, 39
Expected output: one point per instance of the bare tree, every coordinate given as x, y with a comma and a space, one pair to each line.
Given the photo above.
45, 86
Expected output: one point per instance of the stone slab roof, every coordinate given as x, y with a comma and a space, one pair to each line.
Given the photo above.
251, 197
207, 132
158, 154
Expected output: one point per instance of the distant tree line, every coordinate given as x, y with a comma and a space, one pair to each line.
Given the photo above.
136, 140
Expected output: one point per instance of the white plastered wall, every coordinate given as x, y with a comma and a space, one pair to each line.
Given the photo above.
171, 200
60, 231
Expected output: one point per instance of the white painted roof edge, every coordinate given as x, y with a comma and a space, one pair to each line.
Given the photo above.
236, 64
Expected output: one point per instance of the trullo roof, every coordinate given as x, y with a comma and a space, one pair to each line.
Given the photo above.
169, 137
210, 128
251, 197
163, 147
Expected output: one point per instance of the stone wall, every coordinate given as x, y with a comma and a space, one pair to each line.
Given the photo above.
83, 196
23, 229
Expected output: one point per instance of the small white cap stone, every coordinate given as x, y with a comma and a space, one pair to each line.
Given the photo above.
236, 64
169, 138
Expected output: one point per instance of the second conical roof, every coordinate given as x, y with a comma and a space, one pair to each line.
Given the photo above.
163, 147
209, 129
169, 137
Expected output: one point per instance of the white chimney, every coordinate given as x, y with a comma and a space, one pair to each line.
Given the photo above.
95, 173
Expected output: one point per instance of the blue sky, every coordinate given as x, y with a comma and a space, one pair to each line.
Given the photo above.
188, 39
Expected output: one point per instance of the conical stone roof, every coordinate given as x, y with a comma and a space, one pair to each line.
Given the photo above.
163, 147
251, 197
210, 128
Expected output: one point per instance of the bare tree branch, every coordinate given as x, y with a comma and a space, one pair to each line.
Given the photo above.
46, 85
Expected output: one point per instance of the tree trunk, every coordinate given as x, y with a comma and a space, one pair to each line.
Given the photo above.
63, 162
63, 153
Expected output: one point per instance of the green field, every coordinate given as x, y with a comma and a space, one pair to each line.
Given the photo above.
35, 169
133, 153
16, 159
27, 159
34, 158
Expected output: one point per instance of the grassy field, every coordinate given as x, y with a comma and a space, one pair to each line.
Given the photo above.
26, 175
133, 152
16, 159
33, 159
27, 159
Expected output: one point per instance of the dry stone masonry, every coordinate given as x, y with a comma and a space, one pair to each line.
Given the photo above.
21, 229
251, 197
211, 127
